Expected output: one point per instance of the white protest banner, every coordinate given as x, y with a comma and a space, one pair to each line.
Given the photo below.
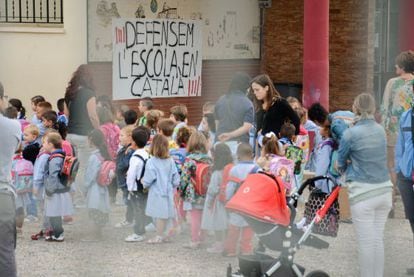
156, 58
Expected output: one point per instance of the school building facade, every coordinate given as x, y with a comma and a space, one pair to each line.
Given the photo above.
362, 39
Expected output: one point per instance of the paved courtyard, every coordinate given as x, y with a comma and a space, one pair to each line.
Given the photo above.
114, 257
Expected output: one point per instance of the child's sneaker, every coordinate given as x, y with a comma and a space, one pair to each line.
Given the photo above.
135, 238
31, 218
124, 224
192, 245
216, 248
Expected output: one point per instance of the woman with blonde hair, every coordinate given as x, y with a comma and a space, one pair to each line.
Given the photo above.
362, 156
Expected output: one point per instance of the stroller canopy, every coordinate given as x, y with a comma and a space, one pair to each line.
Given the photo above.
262, 197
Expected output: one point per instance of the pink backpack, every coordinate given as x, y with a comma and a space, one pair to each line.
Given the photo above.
111, 133
67, 147
106, 173
22, 174
23, 124
283, 168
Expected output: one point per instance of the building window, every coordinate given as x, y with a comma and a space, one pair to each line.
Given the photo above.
29, 12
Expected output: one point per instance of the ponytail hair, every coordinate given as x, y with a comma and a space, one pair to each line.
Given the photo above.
19, 107
271, 144
96, 137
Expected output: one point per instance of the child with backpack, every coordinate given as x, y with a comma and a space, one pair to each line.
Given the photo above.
166, 127
287, 134
58, 202
111, 134
214, 214
179, 155
137, 195
160, 179
323, 159
272, 161
239, 234
122, 164
110, 131
22, 180
97, 197
179, 117
194, 181
39, 172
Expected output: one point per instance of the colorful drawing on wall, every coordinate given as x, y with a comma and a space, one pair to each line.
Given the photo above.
168, 12
230, 28
154, 6
140, 13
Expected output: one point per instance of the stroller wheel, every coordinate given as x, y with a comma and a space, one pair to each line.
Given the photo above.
317, 273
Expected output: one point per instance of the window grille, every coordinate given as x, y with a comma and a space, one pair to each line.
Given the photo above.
31, 12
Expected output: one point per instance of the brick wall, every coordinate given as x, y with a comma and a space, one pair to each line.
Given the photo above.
351, 47
216, 76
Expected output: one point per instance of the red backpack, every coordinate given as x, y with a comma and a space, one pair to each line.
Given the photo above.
201, 178
106, 173
69, 169
224, 181
111, 134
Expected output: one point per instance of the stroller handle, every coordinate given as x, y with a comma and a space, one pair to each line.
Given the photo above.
309, 182
312, 181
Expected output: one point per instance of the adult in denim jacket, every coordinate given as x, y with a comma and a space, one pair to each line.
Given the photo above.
362, 156
404, 168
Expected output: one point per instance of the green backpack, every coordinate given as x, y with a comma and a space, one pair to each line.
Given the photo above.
295, 154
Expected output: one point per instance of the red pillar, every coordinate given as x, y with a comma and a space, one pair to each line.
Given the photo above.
406, 24
316, 53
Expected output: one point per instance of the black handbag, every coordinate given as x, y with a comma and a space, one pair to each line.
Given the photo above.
329, 225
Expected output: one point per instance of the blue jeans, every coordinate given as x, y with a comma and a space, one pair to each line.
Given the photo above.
31, 209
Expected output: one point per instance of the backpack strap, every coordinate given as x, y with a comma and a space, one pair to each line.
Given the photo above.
56, 155
143, 168
412, 124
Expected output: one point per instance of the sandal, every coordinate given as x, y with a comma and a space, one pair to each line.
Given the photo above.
156, 240
38, 235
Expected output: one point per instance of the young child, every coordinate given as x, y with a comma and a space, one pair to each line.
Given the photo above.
22, 179
239, 234
272, 161
166, 127
145, 105
50, 121
97, 197
41, 108
208, 109
122, 164
110, 130
179, 117
193, 203
30, 153
34, 101
38, 189
208, 124
31, 142
61, 117
322, 158
111, 134
287, 134
137, 195
58, 201
160, 178
214, 213
151, 118
130, 117
179, 155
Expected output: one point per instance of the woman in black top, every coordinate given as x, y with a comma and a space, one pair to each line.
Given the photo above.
271, 109
80, 109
